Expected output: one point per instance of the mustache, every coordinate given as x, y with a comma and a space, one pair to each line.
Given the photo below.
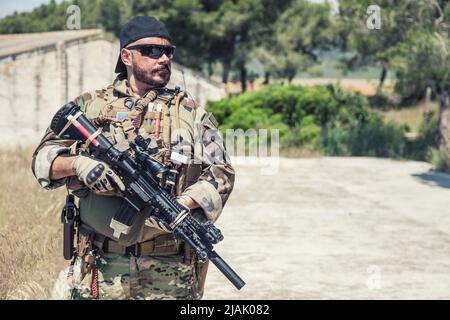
162, 68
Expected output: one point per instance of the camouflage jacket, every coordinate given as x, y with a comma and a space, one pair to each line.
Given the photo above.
186, 135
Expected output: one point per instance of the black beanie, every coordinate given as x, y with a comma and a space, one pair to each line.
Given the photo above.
137, 28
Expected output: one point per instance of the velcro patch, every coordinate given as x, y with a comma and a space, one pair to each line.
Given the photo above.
209, 119
121, 115
189, 103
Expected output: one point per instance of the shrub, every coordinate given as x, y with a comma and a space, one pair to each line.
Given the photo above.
334, 141
420, 148
309, 131
440, 160
328, 118
375, 138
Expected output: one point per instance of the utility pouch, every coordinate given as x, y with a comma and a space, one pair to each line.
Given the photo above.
69, 216
85, 250
166, 245
85, 241
189, 174
201, 269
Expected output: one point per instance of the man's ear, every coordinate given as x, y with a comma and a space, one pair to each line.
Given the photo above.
126, 57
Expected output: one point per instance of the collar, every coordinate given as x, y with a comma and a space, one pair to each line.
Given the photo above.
121, 87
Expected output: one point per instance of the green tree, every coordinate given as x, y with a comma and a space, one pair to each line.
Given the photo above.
113, 14
230, 28
299, 31
182, 20
422, 60
413, 41
400, 22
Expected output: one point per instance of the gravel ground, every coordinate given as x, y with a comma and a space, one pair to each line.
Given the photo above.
336, 228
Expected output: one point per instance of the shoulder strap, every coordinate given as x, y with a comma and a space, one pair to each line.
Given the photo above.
136, 117
179, 97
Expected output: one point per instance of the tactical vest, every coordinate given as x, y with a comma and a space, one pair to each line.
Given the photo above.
168, 118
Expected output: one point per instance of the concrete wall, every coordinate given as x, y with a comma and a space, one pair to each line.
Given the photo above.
35, 83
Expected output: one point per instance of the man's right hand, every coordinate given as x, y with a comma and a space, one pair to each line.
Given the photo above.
97, 175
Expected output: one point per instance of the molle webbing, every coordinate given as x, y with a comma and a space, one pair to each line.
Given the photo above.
149, 124
166, 132
162, 122
164, 244
180, 97
136, 117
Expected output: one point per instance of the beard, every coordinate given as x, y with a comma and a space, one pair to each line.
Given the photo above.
156, 77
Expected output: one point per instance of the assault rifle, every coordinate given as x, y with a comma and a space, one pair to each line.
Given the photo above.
139, 172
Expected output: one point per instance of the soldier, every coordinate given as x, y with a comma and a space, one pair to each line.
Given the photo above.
148, 262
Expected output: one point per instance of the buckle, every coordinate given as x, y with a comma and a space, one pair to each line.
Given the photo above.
134, 249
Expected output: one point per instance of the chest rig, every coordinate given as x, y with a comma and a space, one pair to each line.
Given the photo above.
122, 118
147, 120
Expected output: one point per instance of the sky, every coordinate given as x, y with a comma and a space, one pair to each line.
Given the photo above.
9, 6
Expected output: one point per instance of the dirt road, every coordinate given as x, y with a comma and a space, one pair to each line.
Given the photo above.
340, 228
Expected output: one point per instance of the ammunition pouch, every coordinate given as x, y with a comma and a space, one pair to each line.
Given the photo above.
163, 245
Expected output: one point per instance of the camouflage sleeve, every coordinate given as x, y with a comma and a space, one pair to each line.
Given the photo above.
44, 155
216, 182
50, 147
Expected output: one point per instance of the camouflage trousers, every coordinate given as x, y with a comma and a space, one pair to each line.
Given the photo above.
129, 277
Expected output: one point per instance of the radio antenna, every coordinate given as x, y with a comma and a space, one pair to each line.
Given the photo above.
184, 80
185, 89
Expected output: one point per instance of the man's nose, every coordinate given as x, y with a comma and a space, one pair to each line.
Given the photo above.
164, 59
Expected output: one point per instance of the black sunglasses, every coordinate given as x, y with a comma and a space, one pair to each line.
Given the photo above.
154, 51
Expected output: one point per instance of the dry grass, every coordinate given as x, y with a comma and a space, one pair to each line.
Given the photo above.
413, 116
30, 230
366, 87
305, 152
